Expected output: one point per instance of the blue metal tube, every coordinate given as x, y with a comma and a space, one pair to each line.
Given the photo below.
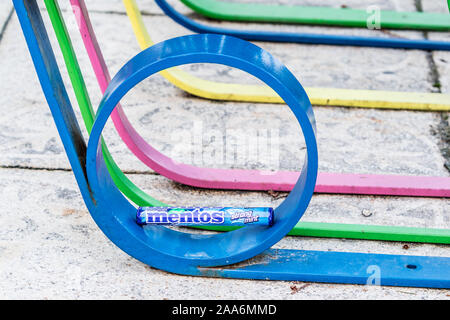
253, 35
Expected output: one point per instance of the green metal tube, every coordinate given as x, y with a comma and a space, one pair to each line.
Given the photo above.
343, 17
85, 105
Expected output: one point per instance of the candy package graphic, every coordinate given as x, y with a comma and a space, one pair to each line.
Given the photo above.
197, 216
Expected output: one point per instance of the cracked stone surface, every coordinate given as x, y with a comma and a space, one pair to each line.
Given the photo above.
51, 248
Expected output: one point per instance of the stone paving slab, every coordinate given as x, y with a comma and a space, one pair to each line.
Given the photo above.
157, 117
441, 58
399, 5
435, 6
51, 249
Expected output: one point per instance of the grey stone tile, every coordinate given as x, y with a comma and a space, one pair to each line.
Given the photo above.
435, 6
398, 5
51, 249
157, 117
441, 58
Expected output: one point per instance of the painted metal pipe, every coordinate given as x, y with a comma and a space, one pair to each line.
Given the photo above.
314, 15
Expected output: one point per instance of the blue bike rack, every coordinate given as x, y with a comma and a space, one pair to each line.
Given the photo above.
240, 254
290, 37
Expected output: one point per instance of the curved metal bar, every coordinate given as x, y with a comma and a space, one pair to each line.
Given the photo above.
312, 15
84, 102
255, 35
181, 250
113, 213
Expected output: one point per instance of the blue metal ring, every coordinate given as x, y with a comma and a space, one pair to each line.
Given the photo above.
253, 35
175, 251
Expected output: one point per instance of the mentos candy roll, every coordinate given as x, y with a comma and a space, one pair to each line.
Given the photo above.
210, 216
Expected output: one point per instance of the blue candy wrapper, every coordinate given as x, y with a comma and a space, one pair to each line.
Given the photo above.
209, 216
